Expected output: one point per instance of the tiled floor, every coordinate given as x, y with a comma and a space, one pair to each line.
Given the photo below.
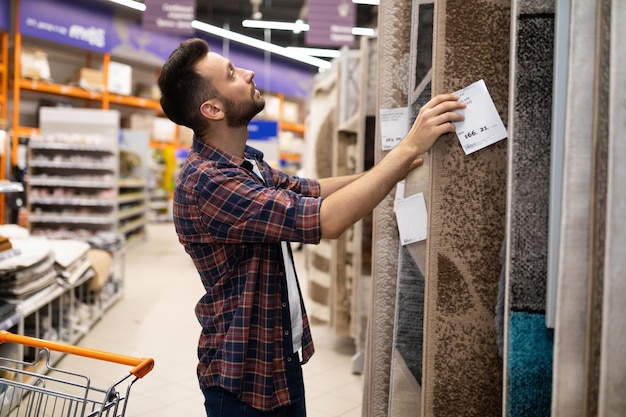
156, 319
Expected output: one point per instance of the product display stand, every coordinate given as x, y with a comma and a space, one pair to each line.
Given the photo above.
347, 160
72, 185
73, 171
132, 212
158, 204
77, 292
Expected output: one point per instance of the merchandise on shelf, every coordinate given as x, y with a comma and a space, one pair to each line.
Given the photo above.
54, 289
72, 173
132, 185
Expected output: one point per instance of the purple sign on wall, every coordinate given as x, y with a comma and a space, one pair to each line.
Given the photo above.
130, 41
4, 15
331, 23
70, 22
172, 16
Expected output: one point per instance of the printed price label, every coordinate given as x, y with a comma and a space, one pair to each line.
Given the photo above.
394, 125
482, 125
412, 219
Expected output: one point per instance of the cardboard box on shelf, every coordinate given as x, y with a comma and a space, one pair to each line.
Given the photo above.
120, 79
151, 92
163, 130
138, 121
34, 64
89, 79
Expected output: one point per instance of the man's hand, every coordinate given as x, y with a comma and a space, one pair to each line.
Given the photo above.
355, 198
434, 119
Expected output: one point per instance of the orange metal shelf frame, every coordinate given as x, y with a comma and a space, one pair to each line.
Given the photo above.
4, 98
102, 99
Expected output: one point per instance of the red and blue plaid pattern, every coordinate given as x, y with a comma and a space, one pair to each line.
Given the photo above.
231, 224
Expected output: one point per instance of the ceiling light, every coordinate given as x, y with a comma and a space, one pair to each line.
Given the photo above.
364, 32
326, 53
256, 43
297, 27
370, 2
132, 4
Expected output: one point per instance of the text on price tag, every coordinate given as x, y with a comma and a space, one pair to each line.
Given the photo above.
482, 125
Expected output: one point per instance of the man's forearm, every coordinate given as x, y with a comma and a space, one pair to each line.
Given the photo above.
357, 198
354, 199
332, 184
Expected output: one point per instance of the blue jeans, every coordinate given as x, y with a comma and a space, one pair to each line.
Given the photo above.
220, 403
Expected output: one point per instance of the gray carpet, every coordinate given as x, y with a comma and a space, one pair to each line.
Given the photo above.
406, 364
529, 343
409, 319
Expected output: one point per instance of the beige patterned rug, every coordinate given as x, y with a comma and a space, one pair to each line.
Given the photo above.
394, 18
405, 393
462, 370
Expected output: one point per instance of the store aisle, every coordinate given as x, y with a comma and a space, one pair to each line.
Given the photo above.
155, 318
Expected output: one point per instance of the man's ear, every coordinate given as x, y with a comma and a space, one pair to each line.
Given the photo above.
211, 110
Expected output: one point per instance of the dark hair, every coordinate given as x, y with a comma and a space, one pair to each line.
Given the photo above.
183, 89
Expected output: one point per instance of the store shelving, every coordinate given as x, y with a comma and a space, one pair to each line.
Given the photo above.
288, 113
160, 167
4, 98
65, 310
159, 205
132, 209
72, 182
63, 62
72, 188
73, 185
4, 74
132, 213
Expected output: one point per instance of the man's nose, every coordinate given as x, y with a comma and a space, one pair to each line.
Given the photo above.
248, 75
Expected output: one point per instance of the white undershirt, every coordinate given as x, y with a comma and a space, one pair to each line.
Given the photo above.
295, 309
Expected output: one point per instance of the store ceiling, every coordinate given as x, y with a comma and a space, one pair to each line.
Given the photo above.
231, 13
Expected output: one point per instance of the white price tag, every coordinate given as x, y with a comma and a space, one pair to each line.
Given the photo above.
412, 219
394, 125
482, 125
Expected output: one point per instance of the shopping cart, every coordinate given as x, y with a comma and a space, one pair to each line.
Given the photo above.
35, 388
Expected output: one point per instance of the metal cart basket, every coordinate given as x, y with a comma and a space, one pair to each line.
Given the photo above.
35, 388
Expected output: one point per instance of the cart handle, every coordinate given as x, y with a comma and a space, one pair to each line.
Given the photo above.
141, 365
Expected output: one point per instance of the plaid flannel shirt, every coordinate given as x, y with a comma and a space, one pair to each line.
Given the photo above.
231, 224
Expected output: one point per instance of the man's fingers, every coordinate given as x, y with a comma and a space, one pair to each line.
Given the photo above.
449, 105
448, 117
441, 98
443, 108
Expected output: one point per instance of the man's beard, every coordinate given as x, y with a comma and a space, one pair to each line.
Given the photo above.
239, 115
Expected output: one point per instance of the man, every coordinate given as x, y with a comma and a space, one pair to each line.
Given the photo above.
235, 215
